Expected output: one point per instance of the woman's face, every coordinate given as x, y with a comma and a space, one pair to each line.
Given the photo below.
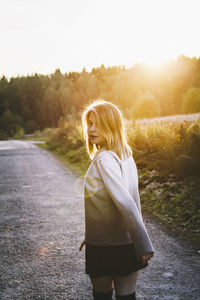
94, 134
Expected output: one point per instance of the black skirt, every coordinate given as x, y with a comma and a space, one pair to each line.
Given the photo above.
111, 260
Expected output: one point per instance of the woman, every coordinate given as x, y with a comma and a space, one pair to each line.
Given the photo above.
116, 240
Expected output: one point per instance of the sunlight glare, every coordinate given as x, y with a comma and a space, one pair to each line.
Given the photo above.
90, 33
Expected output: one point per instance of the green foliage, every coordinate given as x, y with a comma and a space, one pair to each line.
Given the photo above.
176, 203
169, 148
191, 101
66, 137
10, 123
3, 135
67, 143
46, 132
146, 107
31, 126
19, 133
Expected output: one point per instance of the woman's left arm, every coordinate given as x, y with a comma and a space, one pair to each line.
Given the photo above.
110, 172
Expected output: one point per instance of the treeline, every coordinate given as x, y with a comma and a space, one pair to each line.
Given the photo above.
35, 102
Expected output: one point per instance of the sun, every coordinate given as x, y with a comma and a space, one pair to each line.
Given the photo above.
155, 53
156, 60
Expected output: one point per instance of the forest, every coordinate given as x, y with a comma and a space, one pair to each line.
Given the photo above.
35, 102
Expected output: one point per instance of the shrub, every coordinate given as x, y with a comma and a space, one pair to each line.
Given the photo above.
3, 135
146, 107
31, 126
67, 136
191, 101
19, 133
169, 148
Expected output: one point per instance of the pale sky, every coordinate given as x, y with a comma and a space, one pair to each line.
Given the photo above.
39, 36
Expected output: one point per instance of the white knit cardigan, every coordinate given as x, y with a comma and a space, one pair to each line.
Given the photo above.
112, 203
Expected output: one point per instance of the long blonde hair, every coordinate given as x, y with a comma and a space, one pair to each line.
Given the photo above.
111, 124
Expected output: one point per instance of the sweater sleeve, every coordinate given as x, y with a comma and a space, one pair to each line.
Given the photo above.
110, 172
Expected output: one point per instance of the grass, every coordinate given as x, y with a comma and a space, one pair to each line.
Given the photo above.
174, 203
35, 138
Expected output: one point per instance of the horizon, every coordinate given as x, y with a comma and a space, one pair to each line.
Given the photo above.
149, 66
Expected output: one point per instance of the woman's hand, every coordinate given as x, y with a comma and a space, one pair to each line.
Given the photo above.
146, 257
82, 245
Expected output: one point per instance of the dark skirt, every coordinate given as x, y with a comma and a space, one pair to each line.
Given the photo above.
111, 260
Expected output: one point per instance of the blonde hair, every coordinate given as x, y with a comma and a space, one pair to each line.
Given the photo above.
111, 124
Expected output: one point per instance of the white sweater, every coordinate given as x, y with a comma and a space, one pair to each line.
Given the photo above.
112, 203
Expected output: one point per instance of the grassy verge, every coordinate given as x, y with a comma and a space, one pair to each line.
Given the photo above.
35, 139
176, 203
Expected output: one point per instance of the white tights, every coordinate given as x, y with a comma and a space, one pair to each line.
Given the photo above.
123, 285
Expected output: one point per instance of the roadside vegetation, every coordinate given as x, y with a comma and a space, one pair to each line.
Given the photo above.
168, 160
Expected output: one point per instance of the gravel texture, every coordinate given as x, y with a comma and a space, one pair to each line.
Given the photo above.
42, 227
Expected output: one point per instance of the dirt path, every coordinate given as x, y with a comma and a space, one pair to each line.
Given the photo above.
42, 226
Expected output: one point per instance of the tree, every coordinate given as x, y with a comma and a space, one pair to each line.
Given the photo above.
146, 107
8, 123
191, 101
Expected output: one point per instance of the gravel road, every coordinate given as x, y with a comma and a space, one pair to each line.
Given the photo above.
42, 227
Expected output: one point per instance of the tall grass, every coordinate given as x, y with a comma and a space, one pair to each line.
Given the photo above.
172, 148
169, 148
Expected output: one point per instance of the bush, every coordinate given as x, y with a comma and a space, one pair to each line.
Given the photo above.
66, 137
146, 107
169, 148
47, 132
191, 101
19, 133
31, 126
3, 135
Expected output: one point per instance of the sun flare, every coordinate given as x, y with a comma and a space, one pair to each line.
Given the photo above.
91, 33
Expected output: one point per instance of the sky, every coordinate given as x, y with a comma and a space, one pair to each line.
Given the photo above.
39, 36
